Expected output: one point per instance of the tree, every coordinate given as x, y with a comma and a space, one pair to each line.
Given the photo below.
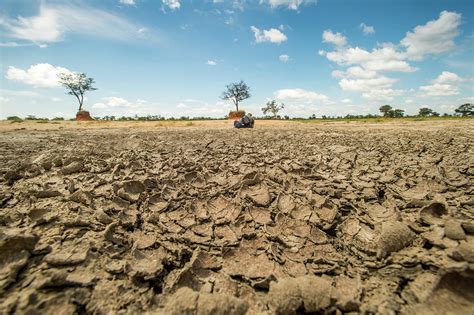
77, 84
272, 107
385, 110
465, 110
236, 92
425, 111
397, 113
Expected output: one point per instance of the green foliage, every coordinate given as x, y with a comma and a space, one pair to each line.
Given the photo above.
14, 118
58, 118
465, 110
236, 92
77, 84
397, 113
385, 110
272, 107
33, 117
425, 111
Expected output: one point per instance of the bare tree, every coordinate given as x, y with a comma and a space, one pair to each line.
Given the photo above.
77, 84
236, 92
273, 107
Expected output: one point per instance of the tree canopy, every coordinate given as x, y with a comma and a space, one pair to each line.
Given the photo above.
77, 84
465, 110
236, 92
385, 110
272, 107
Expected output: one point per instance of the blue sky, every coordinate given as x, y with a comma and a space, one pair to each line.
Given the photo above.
174, 57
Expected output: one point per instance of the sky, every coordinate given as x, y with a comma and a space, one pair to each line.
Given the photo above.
175, 57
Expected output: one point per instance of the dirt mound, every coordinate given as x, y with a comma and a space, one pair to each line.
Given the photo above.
266, 221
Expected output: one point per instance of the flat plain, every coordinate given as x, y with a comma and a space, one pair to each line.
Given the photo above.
200, 218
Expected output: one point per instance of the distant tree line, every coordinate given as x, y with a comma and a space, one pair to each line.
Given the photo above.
273, 108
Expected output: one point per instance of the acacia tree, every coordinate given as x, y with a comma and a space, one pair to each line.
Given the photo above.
236, 92
385, 110
396, 113
425, 111
273, 107
465, 110
77, 84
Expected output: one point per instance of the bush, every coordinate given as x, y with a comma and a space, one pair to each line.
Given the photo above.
58, 118
14, 118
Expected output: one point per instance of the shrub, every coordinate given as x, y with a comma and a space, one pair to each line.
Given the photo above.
14, 118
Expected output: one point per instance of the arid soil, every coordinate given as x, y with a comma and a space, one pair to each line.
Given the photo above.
283, 219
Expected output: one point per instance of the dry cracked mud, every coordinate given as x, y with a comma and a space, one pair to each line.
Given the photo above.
219, 221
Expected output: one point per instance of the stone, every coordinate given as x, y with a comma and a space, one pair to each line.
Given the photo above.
454, 230
393, 237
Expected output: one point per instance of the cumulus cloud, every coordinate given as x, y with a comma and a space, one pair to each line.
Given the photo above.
446, 84
300, 95
127, 2
366, 29
272, 35
379, 59
4, 99
39, 75
118, 106
290, 4
211, 62
198, 108
172, 4
55, 20
334, 38
435, 37
284, 58
365, 66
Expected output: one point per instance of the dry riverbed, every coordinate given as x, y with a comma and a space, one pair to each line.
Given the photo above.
204, 219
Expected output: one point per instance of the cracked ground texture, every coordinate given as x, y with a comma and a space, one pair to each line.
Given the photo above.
277, 220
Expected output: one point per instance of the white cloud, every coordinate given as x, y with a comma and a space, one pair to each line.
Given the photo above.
198, 108
334, 38
172, 4
384, 94
4, 99
435, 37
366, 29
446, 84
301, 95
290, 4
55, 20
439, 90
118, 106
211, 62
346, 100
447, 77
127, 2
10, 44
272, 35
284, 58
55, 99
379, 59
39, 75
362, 85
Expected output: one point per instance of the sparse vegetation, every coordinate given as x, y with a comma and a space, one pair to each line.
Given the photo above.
77, 84
236, 92
273, 107
14, 118
426, 112
465, 110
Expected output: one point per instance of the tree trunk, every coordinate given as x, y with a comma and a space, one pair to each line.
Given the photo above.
237, 105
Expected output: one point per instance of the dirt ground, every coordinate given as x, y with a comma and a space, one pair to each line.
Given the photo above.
287, 218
